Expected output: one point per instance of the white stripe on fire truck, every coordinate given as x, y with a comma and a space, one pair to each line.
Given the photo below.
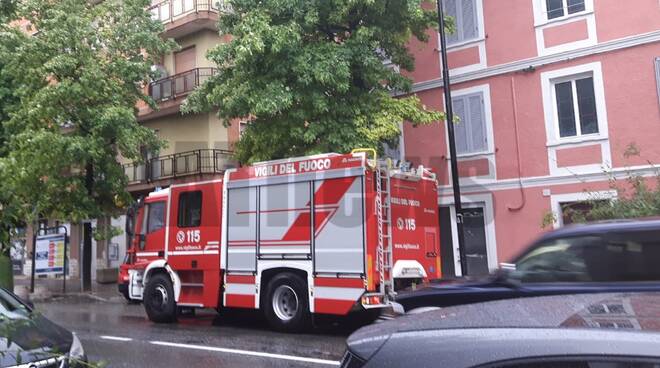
283, 249
239, 250
337, 293
284, 241
192, 252
146, 254
240, 289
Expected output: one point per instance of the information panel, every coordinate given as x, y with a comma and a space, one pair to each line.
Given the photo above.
49, 256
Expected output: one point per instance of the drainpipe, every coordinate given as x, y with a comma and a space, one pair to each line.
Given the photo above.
523, 199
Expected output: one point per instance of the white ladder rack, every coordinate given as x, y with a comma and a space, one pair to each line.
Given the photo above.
384, 214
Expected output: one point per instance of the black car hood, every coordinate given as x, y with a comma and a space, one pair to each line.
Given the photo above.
29, 338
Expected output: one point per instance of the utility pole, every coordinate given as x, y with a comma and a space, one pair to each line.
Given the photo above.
452, 143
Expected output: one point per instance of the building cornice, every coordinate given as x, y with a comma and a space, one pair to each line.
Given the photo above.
613, 45
548, 181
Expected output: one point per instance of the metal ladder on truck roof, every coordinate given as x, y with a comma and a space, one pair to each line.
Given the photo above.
384, 214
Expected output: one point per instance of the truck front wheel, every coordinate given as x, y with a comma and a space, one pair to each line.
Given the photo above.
159, 299
286, 305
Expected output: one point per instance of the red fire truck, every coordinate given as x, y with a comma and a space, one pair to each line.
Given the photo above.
328, 234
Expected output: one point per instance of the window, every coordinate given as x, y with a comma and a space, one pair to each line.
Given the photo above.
156, 220
618, 257
190, 209
657, 76
559, 8
575, 103
558, 260
464, 13
577, 211
637, 255
242, 126
470, 132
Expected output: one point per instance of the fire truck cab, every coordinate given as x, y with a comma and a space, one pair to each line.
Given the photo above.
327, 234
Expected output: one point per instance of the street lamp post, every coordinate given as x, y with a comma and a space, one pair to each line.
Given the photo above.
452, 143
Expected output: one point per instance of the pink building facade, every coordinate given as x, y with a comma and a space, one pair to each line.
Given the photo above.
551, 94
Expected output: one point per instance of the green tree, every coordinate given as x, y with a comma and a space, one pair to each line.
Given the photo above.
311, 77
77, 80
9, 216
637, 196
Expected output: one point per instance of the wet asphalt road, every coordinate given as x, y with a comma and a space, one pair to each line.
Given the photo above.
120, 335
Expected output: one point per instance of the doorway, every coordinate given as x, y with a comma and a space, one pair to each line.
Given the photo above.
476, 247
479, 231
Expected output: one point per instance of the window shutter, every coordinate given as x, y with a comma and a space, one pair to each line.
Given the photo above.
450, 10
469, 19
461, 129
477, 127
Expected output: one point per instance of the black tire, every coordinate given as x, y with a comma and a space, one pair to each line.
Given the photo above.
286, 306
159, 300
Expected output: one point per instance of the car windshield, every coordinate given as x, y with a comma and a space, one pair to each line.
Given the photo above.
11, 307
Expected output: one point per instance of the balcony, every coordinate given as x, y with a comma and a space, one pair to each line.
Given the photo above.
183, 17
168, 92
179, 84
178, 167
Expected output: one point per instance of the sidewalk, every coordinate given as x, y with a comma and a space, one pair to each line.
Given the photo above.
46, 289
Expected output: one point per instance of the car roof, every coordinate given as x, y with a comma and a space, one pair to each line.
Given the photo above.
600, 227
570, 318
640, 310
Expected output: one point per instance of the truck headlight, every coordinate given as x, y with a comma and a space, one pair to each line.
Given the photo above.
76, 353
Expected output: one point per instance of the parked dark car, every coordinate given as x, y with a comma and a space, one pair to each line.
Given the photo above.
592, 258
27, 339
612, 330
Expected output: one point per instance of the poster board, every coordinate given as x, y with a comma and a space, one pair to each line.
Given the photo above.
49, 254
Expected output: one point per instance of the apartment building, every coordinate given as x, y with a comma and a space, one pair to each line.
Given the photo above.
198, 145
551, 93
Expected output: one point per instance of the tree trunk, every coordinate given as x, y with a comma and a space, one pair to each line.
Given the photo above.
87, 234
87, 257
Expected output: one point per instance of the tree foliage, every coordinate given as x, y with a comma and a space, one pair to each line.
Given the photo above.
310, 75
70, 113
637, 196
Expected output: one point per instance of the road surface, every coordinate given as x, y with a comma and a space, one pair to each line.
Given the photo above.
120, 335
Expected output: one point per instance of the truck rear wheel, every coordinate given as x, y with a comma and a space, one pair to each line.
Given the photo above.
159, 299
286, 305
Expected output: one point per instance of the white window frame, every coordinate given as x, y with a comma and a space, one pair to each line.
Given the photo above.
541, 22
576, 108
557, 200
242, 125
484, 90
481, 36
541, 12
548, 82
657, 76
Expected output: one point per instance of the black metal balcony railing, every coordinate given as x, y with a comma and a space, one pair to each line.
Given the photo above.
179, 84
169, 10
201, 161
